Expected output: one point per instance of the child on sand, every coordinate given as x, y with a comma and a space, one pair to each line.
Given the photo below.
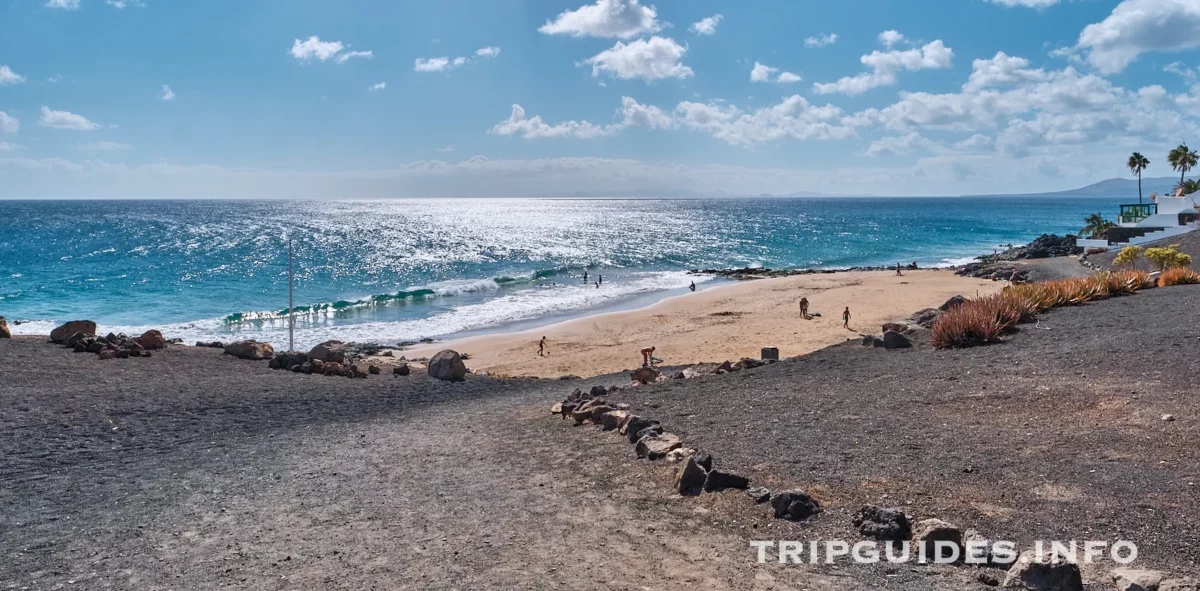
846, 318
542, 347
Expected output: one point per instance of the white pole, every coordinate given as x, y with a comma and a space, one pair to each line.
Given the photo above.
291, 315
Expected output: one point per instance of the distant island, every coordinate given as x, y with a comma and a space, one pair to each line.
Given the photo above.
1108, 188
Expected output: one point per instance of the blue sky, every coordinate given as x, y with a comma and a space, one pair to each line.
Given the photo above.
313, 98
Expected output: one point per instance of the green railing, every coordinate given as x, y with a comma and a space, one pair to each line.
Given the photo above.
1136, 212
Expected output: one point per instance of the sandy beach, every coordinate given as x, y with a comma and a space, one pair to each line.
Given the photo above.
727, 322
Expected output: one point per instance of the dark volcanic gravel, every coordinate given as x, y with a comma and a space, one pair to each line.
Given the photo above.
1054, 435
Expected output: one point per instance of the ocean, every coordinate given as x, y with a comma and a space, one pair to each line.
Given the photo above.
403, 270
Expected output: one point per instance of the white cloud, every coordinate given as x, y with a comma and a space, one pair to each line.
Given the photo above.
9, 124
104, 147
66, 120
976, 143
315, 49
652, 59
886, 65
535, 128
63, 4
122, 4
433, 64
7, 147
7, 76
1002, 70
1182, 70
706, 25
378, 86
606, 18
821, 40
764, 73
445, 64
1026, 3
1140, 26
344, 57
890, 38
898, 145
487, 52
792, 118
634, 113
167, 94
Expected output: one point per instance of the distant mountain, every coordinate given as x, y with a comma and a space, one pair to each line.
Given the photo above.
1112, 188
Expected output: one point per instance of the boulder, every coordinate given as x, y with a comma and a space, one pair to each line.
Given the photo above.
704, 459
925, 317
657, 446
931, 531
152, 339
1048, 572
60, 334
719, 480
759, 494
748, 363
331, 368
251, 349
597, 391
373, 370
75, 339
5, 333
556, 409
895, 327
598, 410
680, 454
400, 370
334, 351
895, 340
305, 368
635, 424
794, 505
644, 375
871, 341
953, 302
108, 354
447, 366
613, 419
690, 478
654, 429
883, 524
96, 347
1128, 579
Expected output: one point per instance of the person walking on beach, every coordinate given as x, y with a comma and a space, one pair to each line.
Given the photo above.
542, 347
647, 356
846, 318
804, 308
585, 276
898, 273
692, 286
601, 280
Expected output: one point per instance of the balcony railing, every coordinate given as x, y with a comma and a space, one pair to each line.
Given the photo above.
1136, 212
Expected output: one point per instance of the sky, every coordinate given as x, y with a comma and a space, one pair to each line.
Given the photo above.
454, 98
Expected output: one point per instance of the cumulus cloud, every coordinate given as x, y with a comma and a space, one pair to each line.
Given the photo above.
535, 128
63, 4
764, 73
652, 59
445, 64
886, 65
378, 86
9, 124
706, 25
167, 94
821, 40
890, 38
66, 120
123, 4
606, 18
104, 147
1140, 26
7, 76
899, 145
314, 49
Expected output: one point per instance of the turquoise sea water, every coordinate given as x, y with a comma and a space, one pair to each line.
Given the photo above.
398, 270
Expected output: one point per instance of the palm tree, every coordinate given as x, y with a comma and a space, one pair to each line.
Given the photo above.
1183, 160
1189, 186
1096, 225
1137, 163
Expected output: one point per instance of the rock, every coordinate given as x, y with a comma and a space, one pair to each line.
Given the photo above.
96, 347
871, 341
75, 338
305, 368
895, 327
613, 419
5, 332
108, 354
597, 391
252, 350
568, 408
925, 317
151, 340
759, 494
719, 480
211, 344
794, 505
581, 415
1168, 418
690, 478
334, 351
373, 370
575, 396
447, 366
1128, 579
953, 302
1048, 572
556, 409
931, 531
635, 424
679, 375
883, 524
656, 446
122, 353
895, 340
400, 370
973, 539
644, 375
654, 429
770, 354
80, 347
680, 454
145, 354
987, 579
725, 367
60, 334
333, 369
704, 459
748, 363
598, 410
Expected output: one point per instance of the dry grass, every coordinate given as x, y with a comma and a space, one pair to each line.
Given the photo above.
1178, 276
984, 320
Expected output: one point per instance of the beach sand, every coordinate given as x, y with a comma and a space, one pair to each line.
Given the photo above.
727, 322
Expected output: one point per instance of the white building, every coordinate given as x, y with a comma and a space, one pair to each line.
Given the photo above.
1139, 223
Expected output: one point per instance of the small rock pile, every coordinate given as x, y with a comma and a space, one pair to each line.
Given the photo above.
110, 346
716, 369
994, 271
1042, 247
